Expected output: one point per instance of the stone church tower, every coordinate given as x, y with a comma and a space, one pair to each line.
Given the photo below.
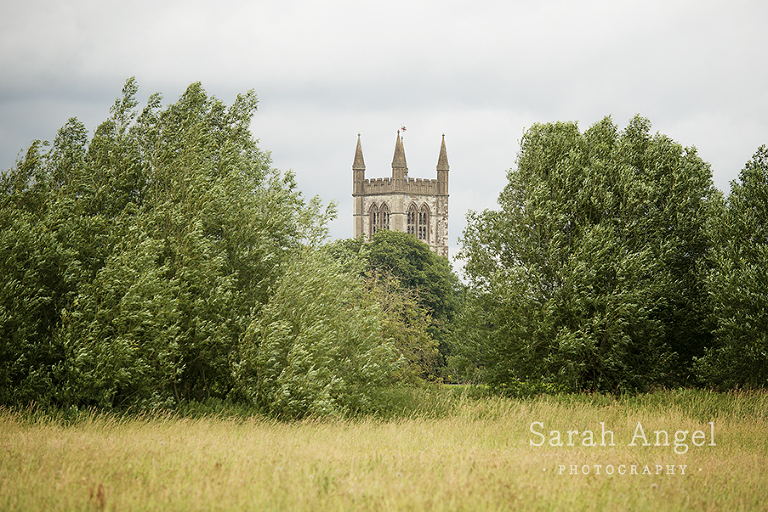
400, 203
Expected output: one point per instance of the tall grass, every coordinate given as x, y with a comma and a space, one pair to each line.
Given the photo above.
435, 450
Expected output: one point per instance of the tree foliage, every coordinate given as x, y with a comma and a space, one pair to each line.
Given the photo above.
318, 346
408, 324
738, 280
417, 268
412, 263
395, 260
588, 276
132, 263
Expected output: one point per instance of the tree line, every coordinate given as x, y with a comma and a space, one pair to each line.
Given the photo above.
165, 260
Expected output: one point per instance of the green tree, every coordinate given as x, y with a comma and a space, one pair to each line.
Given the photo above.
588, 275
131, 263
412, 262
318, 347
422, 275
46, 248
738, 280
407, 324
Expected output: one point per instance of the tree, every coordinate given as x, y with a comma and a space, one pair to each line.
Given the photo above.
588, 276
131, 263
318, 347
407, 324
422, 275
738, 280
417, 268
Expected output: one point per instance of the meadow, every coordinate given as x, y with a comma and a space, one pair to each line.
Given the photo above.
446, 451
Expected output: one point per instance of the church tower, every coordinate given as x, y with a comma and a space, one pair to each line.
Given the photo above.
415, 206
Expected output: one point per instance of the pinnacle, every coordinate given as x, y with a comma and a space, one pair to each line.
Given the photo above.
359, 162
442, 161
399, 159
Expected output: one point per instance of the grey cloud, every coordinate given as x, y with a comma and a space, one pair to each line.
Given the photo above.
325, 71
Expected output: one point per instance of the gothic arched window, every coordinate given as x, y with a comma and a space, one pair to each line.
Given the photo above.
412, 218
378, 217
384, 217
374, 219
424, 223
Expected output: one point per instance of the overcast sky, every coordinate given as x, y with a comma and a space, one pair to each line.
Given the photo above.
480, 72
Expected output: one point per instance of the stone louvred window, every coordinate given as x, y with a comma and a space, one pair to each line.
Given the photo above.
379, 217
374, 216
384, 217
412, 218
424, 223
417, 222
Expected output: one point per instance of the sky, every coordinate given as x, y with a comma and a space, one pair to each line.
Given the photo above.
479, 72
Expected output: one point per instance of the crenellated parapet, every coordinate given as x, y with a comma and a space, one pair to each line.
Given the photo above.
406, 186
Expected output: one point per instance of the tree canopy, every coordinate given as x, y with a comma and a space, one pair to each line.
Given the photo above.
588, 276
738, 280
416, 267
163, 259
319, 346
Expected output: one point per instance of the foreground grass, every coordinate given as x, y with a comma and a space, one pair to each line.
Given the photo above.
475, 455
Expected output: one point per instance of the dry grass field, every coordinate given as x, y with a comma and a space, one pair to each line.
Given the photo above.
474, 454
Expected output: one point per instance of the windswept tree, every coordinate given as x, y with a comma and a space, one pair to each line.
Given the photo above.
588, 275
738, 282
132, 262
320, 346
